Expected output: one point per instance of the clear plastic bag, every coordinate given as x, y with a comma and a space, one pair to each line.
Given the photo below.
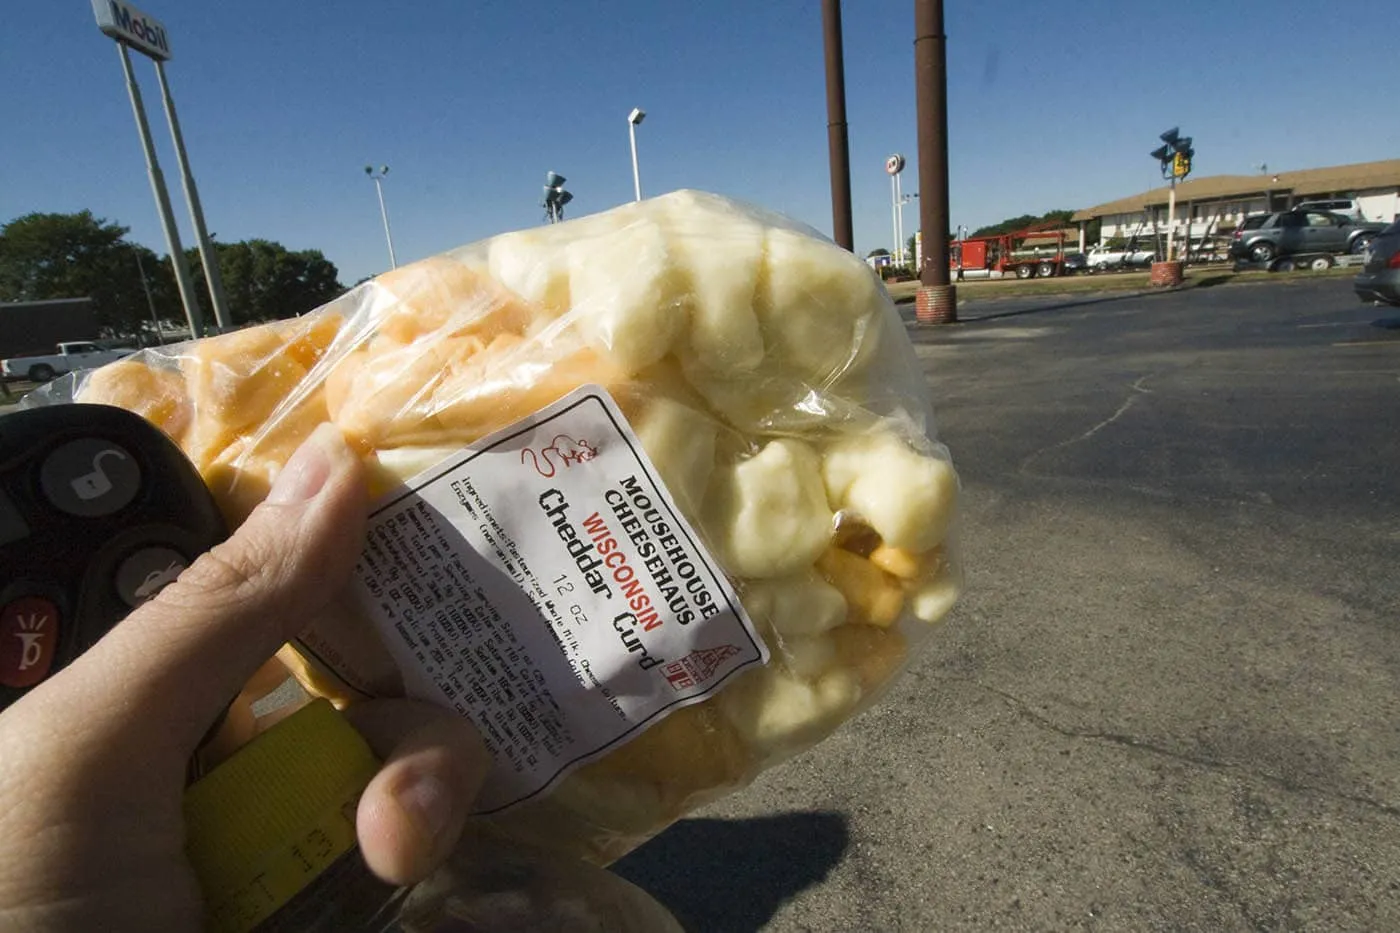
768, 377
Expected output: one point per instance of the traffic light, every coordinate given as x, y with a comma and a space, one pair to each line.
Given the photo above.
1175, 155
1181, 167
555, 197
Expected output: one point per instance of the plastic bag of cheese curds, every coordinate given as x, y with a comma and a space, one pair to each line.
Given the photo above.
768, 379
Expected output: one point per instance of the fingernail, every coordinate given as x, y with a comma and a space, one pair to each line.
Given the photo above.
428, 802
306, 472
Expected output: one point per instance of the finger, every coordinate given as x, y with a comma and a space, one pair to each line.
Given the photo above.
177, 661
412, 813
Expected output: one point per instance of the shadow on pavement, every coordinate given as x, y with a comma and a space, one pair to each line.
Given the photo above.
1206, 281
1063, 305
731, 876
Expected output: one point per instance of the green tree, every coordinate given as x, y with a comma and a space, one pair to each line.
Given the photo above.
265, 281
45, 256
1012, 224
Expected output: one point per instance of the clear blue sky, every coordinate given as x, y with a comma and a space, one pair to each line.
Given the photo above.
282, 104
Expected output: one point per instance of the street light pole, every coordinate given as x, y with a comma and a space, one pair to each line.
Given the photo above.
634, 119
903, 240
383, 211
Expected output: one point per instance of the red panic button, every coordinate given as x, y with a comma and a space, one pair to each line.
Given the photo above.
28, 641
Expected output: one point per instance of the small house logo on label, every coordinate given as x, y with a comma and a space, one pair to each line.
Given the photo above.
698, 666
562, 452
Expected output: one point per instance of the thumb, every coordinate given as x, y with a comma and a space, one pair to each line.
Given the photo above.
175, 662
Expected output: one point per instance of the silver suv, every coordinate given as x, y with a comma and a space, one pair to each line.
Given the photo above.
1263, 237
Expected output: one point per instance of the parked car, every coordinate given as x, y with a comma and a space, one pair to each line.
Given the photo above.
1347, 207
78, 354
1101, 258
1074, 262
1284, 233
1379, 279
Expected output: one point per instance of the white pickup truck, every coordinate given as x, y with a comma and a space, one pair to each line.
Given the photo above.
70, 356
1102, 258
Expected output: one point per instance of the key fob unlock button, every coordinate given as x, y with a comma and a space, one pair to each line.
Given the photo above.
90, 477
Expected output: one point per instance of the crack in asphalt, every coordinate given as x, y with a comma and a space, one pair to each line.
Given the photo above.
1210, 764
1207, 874
1135, 389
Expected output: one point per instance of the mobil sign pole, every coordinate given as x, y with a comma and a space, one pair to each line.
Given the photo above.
134, 29
148, 36
207, 257
893, 166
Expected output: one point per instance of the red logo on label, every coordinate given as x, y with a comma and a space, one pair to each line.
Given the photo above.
28, 638
562, 452
698, 666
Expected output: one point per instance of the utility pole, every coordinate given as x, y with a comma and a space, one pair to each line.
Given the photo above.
837, 138
937, 297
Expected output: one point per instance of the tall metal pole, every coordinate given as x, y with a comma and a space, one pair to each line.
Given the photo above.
1171, 216
384, 213
636, 175
899, 215
937, 297
894, 217
167, 219
207, 257
837, 138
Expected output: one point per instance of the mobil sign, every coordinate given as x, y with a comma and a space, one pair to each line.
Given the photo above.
125, 23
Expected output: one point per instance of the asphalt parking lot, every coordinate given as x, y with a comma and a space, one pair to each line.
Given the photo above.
1171, 697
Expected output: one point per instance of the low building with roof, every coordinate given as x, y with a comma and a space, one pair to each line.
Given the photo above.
1215, 204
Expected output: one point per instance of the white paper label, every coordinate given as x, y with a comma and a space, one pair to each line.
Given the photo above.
543, 583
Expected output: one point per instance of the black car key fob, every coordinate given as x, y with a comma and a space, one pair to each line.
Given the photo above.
99, 510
